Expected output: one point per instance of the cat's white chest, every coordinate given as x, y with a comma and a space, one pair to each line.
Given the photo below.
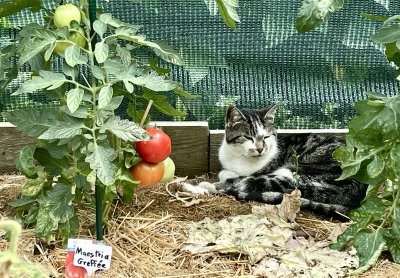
232, 158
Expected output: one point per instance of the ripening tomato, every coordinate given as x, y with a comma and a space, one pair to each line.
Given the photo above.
148, 174
169, 171
64, 14
157, 149
76, 37
72, 271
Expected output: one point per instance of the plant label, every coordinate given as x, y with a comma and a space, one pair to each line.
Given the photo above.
92, 256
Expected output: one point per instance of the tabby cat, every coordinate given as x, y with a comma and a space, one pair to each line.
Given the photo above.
258, 164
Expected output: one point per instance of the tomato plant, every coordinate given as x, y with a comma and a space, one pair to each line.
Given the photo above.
65, 14
148, 174
157, 149
83, 144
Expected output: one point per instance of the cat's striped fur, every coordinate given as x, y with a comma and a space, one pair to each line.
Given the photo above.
258, 164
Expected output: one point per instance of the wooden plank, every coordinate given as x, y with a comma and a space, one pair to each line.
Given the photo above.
11, 142
190, 144
216, 137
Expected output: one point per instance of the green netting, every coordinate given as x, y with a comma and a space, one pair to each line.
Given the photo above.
315, 77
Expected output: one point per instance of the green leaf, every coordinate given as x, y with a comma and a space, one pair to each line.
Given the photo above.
99, 27
69, 228
98, 73
387, 34
33, 122
161, 103
153, 82
74, 99
15, 6
376, 166
183, 93
227, 9
31, 187
124, 179
100, 159
25, 162
101, 52
52, 165
59, 201
166, 52
47, 79
124, 129
105, 96
392, 238
23, 201
62, 130
31, 47
82, 183
313, 13
80, 113
116, 23
73, 56
45, 225
369, 245
114, 103
374, 17
160, 49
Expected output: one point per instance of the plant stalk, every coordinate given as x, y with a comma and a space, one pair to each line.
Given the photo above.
98, 195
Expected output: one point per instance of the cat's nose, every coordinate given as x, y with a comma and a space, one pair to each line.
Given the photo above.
260, 150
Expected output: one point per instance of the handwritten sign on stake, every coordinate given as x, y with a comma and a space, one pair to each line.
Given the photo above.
92, 256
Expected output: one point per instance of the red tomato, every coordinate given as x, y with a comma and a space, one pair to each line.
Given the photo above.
72, 271
157, 148
148, 174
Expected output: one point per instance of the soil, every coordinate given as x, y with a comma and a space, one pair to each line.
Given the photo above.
147, 234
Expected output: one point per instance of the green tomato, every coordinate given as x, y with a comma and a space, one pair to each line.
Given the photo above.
76, 37
64, 14
169, 171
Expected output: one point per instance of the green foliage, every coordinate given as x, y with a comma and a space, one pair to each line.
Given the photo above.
313, 13
372, 155
83, 145
9, 8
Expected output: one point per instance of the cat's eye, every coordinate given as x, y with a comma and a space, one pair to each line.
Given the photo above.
249, 138
267, 136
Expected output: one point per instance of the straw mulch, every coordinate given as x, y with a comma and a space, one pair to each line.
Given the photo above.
146, 235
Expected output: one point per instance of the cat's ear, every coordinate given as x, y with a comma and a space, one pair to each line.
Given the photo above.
269, 114
234, 115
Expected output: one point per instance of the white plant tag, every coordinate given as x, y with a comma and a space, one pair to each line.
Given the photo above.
92, 256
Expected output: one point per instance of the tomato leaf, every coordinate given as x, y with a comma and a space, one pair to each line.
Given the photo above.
33, 122
25, 162
105, 96
31, 187
101, 52
62, 130
40, 42
73, 56
125, 129
313, 13
99, 27
74, 99
161, 103
227, 9
154, 82
47, 79
369, 245
54, 166
100, 160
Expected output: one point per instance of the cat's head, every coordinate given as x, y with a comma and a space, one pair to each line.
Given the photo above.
251, 131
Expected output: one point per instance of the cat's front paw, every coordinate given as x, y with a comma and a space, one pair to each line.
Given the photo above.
194, 189
210, 187
227, 174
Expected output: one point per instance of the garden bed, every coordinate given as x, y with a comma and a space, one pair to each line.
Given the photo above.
146, 236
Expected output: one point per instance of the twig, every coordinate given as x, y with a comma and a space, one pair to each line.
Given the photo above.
146, 112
